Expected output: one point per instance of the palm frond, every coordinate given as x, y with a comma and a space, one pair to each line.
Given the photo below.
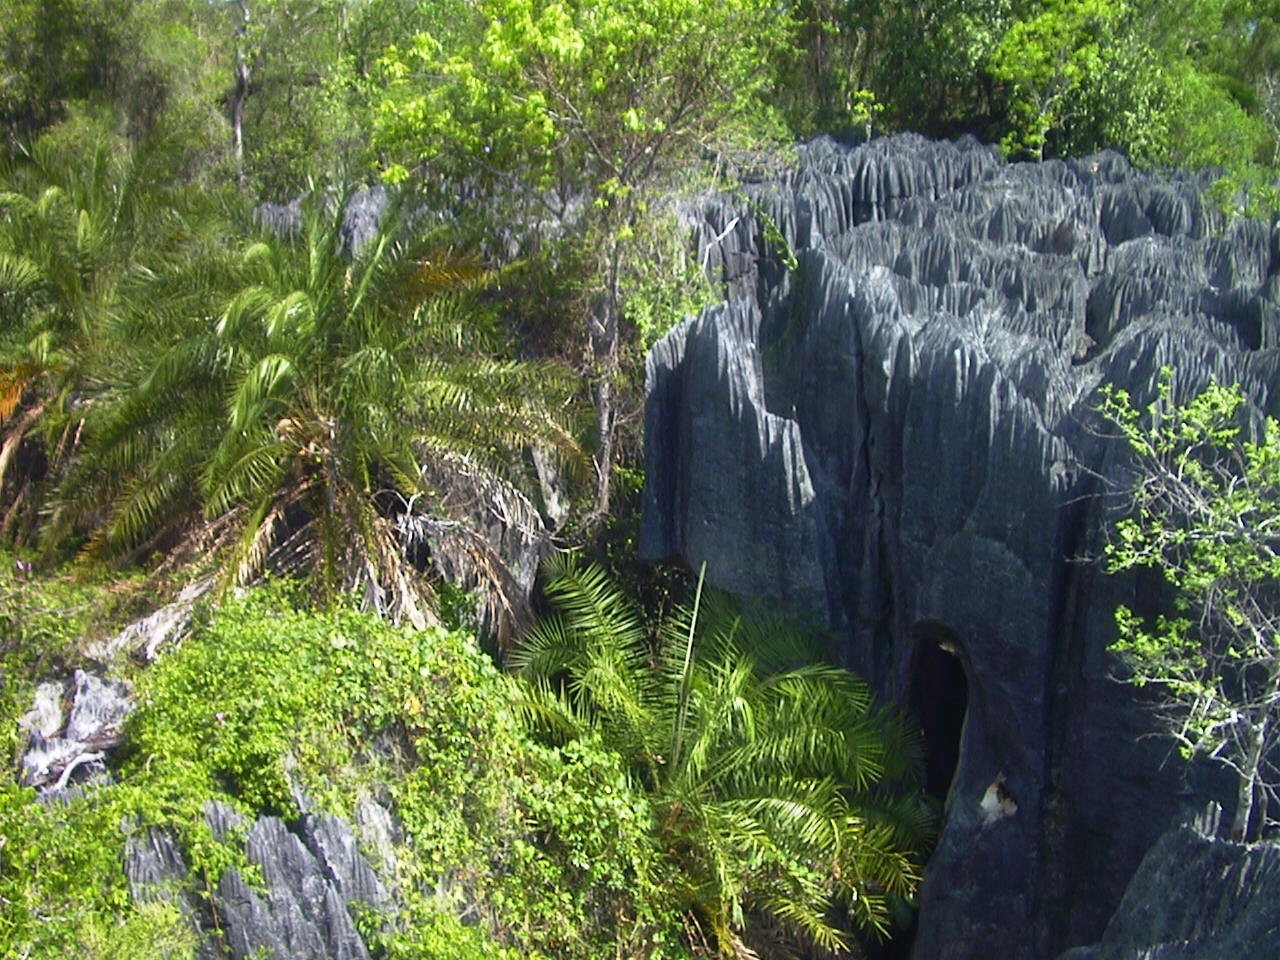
769, 786
265, 381
595, 608
21, 280
13, 384
446, 272
241, 470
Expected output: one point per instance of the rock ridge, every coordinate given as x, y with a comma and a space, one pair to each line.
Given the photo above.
889, 427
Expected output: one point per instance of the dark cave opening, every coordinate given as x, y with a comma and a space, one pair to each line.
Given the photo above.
938, 698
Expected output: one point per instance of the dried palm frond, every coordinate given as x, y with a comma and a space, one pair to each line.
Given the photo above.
447, 271
13, 384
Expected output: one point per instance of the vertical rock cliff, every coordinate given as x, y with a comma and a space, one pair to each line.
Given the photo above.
889, 426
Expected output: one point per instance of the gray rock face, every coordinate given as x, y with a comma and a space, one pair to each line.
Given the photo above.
148, 636
897, 439
312, 871
313, 876
56, 753
157, 870
361, 216
1196, 897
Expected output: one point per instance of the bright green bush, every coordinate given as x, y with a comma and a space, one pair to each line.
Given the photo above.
539, 850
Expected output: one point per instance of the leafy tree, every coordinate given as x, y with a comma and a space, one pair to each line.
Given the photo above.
293, 104
1045, 58
53, 52
928, 63
776, 791
583, 111
1256, 60
1204, 511
823, 80
145, 65
1165, 83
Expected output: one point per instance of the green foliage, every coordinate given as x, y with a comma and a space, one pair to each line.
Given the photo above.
1045, 58
56, 51
864, 109
427, 932
549, 850
62, 891
302, 109
1251, 192
1204, 511
144, 66
44, 616
307, 415
591, 110
88, 225
1191, 83
664, 283
607, 95
153, 931
777, 240
780, 791
231, 707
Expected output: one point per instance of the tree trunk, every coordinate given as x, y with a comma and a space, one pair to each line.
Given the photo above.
604, 352
1247, 786
241, 91
16, 434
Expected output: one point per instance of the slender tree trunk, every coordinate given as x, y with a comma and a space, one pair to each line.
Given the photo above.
1247, 786
10, 517
605, 344
242, 90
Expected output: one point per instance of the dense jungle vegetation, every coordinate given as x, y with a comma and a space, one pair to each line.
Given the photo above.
211, 371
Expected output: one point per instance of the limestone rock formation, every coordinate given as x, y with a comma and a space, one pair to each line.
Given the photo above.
150, 635
313, 878
896, 438
57, 750
1196, 897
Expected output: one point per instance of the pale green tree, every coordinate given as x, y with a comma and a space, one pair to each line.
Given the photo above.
1045, 59
1203, 510
582, 111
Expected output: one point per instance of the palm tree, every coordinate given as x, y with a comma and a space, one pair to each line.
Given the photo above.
328, 412
779, 793
82, 221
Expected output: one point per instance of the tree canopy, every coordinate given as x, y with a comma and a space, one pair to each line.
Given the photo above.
577, 113
546, 138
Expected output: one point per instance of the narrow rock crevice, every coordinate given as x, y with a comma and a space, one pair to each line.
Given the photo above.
938, 700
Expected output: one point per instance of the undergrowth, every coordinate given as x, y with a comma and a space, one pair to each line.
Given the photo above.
510, 847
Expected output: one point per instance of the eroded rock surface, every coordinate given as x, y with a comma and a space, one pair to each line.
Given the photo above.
57, 753
313, 879
897, 439
1196, 897
149, 636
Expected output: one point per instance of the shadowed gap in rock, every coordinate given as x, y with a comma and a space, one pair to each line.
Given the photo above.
938, 698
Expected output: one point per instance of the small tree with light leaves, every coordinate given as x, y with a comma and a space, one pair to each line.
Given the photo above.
1203, 509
